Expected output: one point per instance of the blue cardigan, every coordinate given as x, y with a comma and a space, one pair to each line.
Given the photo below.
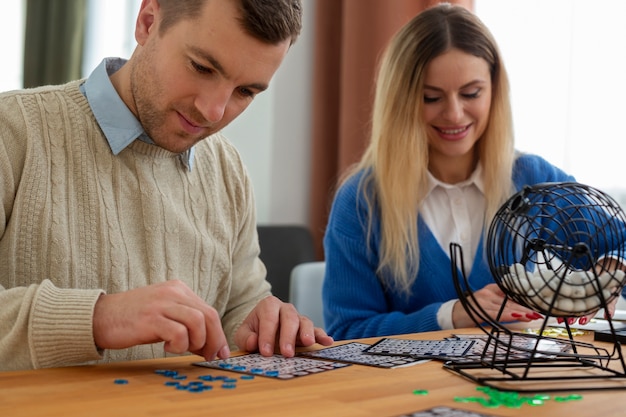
357, 305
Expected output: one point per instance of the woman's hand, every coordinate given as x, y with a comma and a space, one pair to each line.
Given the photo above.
490, 299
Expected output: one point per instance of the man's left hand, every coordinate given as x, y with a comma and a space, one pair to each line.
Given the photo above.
274, 323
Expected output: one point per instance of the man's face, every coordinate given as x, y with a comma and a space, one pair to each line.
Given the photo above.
198, 76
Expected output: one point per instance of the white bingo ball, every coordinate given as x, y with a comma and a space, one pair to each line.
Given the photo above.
517, 270
566, 305
604, 279
539, 303
523, 285
579, 277
579, 306
566, 290
578, 291
592, 302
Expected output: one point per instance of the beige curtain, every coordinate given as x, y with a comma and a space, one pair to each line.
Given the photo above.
350, 35
53, 42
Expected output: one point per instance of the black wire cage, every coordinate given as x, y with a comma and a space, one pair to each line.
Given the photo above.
555, 248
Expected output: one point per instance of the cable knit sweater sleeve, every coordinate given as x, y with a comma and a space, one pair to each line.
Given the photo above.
77, 221
29, 315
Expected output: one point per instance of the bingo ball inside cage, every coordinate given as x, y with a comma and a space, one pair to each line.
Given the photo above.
554, 247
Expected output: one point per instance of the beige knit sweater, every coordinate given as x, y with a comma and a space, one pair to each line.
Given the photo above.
76, 221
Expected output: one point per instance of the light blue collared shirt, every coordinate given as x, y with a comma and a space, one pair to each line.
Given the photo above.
118, 123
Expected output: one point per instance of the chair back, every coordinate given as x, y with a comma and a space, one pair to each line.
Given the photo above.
282, 248
306, 290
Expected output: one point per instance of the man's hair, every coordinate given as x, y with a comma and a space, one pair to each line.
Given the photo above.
271, 21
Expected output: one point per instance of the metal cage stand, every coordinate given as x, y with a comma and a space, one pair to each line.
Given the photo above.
527, 362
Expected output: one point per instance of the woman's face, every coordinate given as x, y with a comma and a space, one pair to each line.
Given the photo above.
457, 100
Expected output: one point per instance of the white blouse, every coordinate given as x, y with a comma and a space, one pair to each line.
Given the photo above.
455, 213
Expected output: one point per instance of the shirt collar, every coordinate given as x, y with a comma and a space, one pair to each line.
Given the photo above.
475, 179
118, 123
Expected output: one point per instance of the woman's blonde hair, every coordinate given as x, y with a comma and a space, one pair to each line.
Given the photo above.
396, 160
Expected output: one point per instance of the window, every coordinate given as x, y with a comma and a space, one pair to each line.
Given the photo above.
565, 65
563, 57
11, 27
110, 30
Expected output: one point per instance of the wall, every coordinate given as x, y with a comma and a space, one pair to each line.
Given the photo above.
273, 135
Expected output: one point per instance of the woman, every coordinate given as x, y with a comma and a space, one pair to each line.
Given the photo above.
440, 163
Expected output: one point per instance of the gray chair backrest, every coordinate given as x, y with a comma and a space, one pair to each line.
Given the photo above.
282, 248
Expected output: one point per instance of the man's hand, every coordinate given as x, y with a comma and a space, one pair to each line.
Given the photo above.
272, 323
170, 312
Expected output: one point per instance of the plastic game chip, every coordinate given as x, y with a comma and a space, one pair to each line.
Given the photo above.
509, 399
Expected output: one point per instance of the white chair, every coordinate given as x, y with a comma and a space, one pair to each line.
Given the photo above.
305, 290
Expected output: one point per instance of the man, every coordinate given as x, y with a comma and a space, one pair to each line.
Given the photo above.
127, 222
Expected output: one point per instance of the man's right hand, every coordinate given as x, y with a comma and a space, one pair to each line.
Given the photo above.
170, 312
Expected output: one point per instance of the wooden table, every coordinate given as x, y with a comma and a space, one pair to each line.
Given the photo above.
355, 390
